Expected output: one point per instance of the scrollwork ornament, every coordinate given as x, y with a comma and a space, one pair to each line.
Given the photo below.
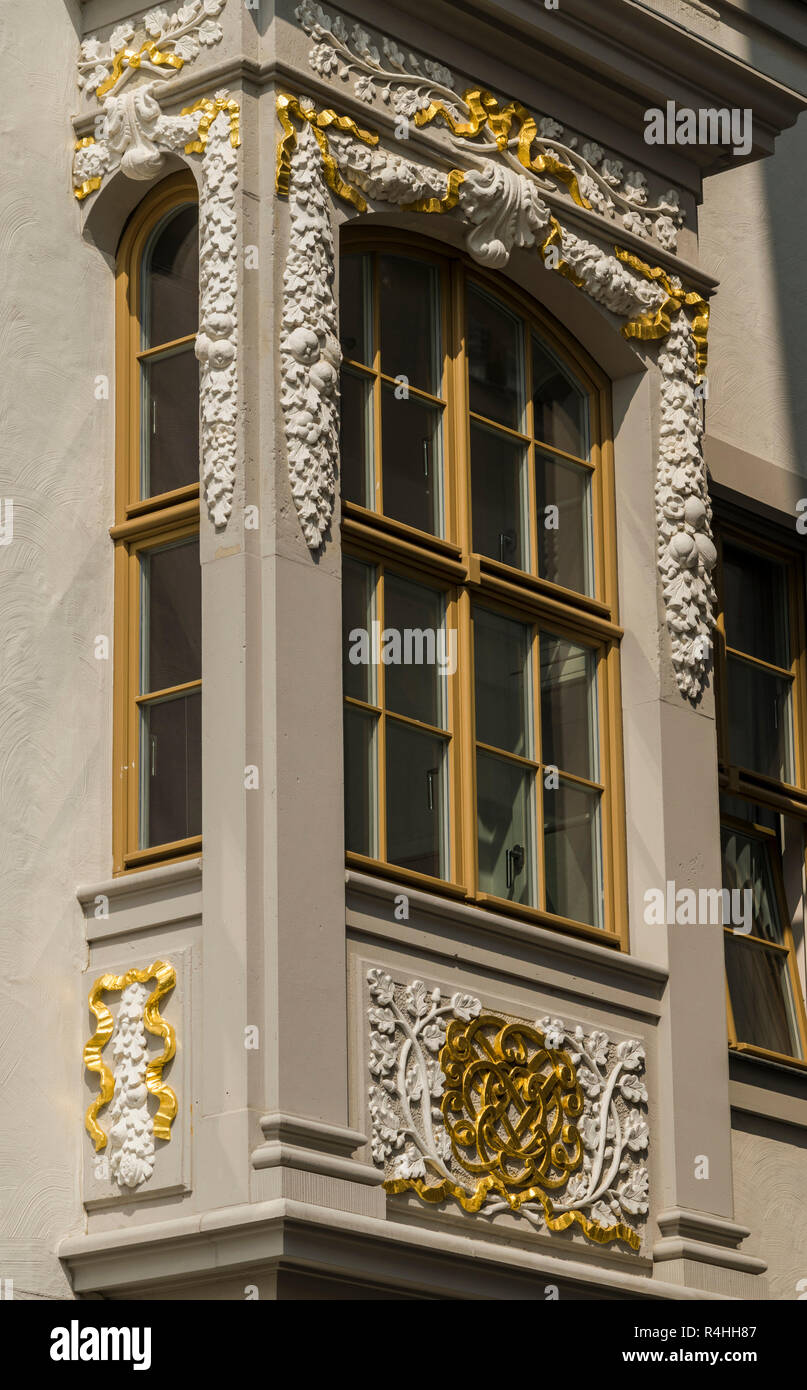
539, 1120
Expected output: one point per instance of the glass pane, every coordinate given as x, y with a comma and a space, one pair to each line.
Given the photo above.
360, 782
560, 409
499, 497
358, 667
741, 809
170, 422
573, 858
755, 593
761, 997
563, 498
760, 720
410, 322
171, 652
417, 800
415, 650
356, 439
747, 865
171, 769
171, 280
412, 464
355, 333
495, 344
569, 706
506, 838
503, 685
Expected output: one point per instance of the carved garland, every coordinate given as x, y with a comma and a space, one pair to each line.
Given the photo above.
133, 1130
542, 1120
501, 209
133, 135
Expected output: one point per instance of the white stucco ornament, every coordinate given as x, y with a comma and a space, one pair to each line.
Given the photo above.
131, 1133
543, 1120
500, 208
129, 75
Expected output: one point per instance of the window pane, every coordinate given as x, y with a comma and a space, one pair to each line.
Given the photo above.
360, 782
573, 858
569, 707
499, 497
495, 361
503, 685
171, 616
761, 997
171, 280
755, 593
358, 586
411, 453
505, 820
563, 496
760, 720
417, 800
741, 809
355, 332
747, 865
560, 409
170, 422
416, 615
171, 769
356, 439
410, 322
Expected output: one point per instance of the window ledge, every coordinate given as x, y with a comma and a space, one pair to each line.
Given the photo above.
497, 924
141, 901
760, 1086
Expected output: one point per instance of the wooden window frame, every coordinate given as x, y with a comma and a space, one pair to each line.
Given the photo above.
782, 798
468, 577
139, 524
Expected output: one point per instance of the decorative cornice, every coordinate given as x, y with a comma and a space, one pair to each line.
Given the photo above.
134, 135
417, 88
134, 1129
500, 205
539, 1120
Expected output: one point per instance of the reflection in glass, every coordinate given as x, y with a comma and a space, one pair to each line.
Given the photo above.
498, 497
573, 853
171, 769
755, 594
170, 280
415, 689
747, 865
358, 585
360, 782
355, 318
495, 361
568, 706
417, 800
506, 838
560, 410
411, 452
760, 720
408, 291
563, 496
761, 997
356, 439
172, 616
503, 685
170, 422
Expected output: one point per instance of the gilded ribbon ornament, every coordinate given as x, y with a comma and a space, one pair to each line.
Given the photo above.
657, 325
165, 977
210, 109
132, 58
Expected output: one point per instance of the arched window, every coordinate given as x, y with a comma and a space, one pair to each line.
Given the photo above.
158, 628
481, 685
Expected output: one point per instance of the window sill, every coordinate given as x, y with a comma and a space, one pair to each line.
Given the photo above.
154, 897
773, 1090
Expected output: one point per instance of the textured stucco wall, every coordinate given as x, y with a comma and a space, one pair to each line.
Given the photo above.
56, 460
770, 1162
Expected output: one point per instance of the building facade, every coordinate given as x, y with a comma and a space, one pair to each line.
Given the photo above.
404, 746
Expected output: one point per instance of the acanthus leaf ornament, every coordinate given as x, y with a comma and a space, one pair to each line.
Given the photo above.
501, 209
499, 1115
133, 1130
